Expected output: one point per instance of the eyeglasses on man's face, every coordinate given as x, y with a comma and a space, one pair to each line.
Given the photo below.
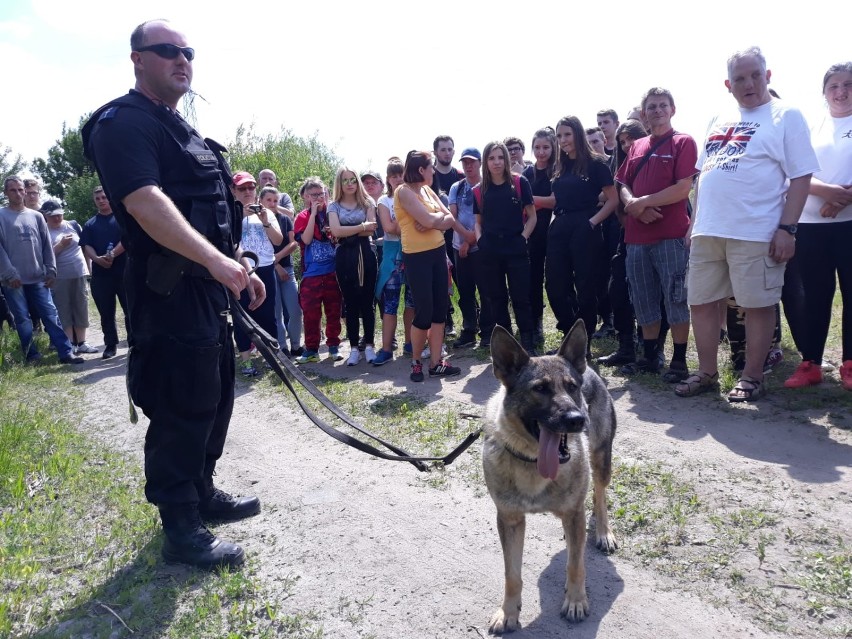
169, 51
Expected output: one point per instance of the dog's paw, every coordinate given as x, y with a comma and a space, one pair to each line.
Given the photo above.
606, 542
575, 609
501, 623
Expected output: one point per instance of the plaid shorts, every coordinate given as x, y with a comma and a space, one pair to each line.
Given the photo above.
654, 272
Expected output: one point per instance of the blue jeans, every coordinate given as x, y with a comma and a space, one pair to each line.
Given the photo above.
288, 313
39, 297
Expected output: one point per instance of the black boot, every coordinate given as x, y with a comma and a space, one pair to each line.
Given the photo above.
625, 354
528, 342
538, 333
217, 505
189, 542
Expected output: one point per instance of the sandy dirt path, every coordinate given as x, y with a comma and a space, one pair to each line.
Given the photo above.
379, 552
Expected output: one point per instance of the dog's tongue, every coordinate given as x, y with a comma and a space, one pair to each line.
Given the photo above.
548, 453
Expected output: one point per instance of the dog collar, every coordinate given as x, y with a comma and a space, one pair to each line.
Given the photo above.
533, 460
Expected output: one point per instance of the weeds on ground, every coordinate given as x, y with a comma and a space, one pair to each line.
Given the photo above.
79, 545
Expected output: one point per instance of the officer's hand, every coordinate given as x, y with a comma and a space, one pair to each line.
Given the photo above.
230, 273
256, 291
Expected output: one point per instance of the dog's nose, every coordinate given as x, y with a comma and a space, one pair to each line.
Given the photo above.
573, 421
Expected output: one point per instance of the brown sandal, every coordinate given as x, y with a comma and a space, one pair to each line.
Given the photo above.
750, 393
696, 384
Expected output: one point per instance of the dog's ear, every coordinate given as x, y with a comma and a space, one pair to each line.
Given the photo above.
507, 356
573, 347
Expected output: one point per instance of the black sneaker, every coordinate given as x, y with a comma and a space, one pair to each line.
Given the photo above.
72, 359
297, 352
443, 369
606, 330
109, 351
621, 356
677, 372
642, 365
416, 371
465, 340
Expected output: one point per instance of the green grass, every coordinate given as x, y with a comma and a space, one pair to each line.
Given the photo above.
80, 546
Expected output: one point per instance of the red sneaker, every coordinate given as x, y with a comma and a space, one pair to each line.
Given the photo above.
807, 374
846, 374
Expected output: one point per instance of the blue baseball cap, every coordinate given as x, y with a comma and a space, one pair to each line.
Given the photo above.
471, 153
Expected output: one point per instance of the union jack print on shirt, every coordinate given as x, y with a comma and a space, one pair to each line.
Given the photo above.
730, 140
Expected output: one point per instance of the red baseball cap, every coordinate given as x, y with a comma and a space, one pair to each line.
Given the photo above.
243, 177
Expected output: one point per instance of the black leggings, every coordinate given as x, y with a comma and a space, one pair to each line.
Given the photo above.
505, 261
573, 248
537, 246
823, 253
427, 276
356, 269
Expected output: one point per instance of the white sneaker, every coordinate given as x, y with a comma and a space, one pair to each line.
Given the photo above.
85, 348
355, 357
427, 352
369, 353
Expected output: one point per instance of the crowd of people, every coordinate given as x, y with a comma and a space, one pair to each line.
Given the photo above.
629, 226
503, 230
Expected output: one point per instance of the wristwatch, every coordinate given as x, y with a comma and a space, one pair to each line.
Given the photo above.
790, 228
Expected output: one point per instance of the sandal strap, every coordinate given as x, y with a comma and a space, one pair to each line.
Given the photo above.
700, 377
755, 383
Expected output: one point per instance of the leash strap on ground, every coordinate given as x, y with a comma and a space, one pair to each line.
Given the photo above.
268, 347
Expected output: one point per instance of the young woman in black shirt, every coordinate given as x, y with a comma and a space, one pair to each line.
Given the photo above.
505, 219
539, 175
574, 238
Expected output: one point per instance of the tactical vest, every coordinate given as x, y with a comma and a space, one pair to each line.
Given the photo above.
197, 184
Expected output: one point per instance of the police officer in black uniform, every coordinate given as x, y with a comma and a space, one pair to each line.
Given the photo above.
169, 192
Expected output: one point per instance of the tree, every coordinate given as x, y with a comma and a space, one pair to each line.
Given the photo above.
10, 164
293, 158
67, 174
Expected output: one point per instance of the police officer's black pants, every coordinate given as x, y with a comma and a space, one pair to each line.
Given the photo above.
181, 375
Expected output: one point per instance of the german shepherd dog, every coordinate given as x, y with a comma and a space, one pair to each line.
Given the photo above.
550, 417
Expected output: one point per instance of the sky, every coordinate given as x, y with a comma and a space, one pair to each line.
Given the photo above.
378, 78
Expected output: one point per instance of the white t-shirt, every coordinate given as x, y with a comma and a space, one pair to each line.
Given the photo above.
832, 140
387, 200
254, 238
746, 160
70, 263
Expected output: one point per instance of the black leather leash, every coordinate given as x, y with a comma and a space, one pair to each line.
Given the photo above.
268, 347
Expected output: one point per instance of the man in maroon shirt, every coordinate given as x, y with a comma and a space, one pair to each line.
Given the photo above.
654, 184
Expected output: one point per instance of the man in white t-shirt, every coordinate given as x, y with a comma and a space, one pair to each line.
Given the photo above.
756, 165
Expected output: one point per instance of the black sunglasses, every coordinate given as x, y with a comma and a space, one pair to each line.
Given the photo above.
169, 51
